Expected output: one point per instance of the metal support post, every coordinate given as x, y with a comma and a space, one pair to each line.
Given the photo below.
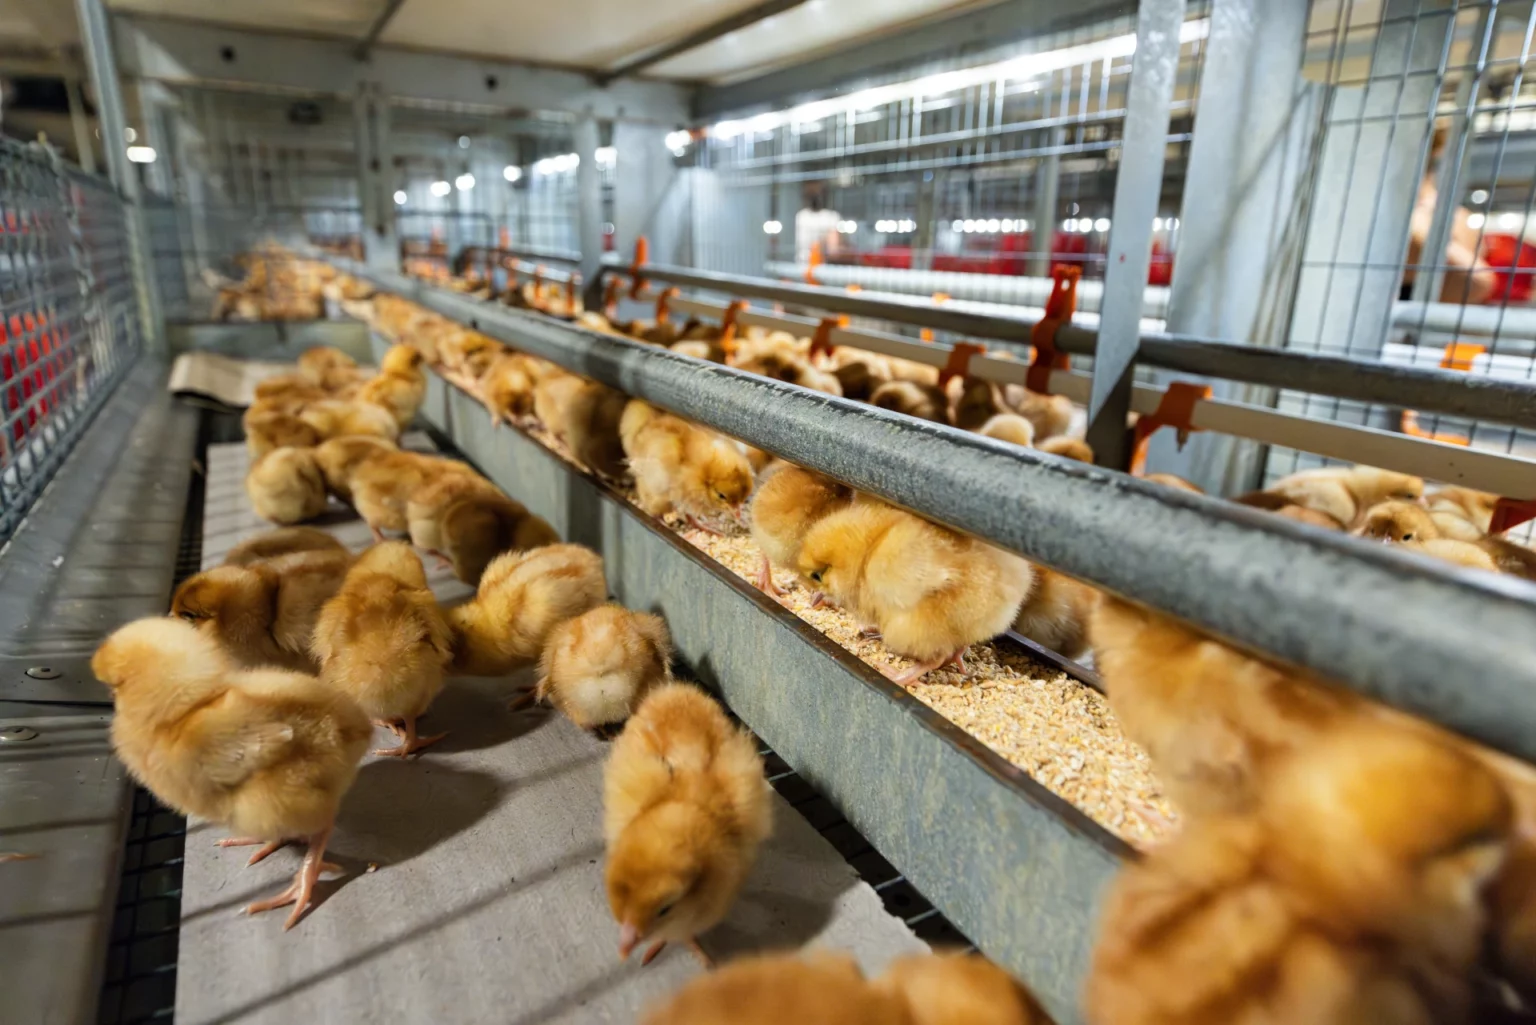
589, 210
96, 33
375, 196
927, 227
85, 151
1047, 189
1138, 187
1238, 244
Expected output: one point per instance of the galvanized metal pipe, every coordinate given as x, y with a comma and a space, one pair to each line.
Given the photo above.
1426, 389
1437, 641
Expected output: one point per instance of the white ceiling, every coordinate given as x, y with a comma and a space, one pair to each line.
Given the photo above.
349, 18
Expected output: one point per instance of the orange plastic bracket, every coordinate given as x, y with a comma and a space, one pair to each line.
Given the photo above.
1058, 311
662, 302
1509, 513
855, 288
611, 298
642, 257
959, 364
572, 289
1459, 355
814, 262
1409, 424
821, 340
1174, 410
728, 326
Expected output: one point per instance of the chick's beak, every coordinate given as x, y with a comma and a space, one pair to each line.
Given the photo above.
628, 937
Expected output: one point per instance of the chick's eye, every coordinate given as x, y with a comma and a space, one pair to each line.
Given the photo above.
816, 576
664, 911
1408, 536
189, 617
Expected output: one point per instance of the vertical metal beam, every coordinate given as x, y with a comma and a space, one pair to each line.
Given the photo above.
1138, 187
1237, 247
374, 192
589, 208
927, 226
85, 151
1047, 191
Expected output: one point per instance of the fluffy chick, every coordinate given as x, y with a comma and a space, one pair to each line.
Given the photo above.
685, 809
400, 386
480, 526
336, 419
1056, 611
315, 363
522, 597
598, 666
286, 486
383, 641
959, 989
269, 754
267, 429
793, 368
506, 388
1462, 514
683, 468
1345, 492
930, 591
1239, 919
1406, 522
383, 482
339, 457
1051, 415
263, 614
784, 509
1465, 554
1009, 427
1174, 481
924, 401
592, 418
426, 506
1067, 448
827, 989
280, 542
552, 398
1284, 506
978, 402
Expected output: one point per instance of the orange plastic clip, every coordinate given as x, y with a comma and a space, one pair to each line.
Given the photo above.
728, 326
959, 364
1409, 424
662, 302
1175, 409
814, 262
1509, 513
1459, 355
572, 289
821, 341
926, 334
642, 257
1058, 311
611, 297
855, 288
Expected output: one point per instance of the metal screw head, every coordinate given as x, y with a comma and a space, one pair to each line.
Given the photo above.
44, 673
10, 734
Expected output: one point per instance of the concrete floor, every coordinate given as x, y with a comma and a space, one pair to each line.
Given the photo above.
487, 904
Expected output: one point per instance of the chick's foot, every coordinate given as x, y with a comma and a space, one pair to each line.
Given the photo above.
410, 744
302, 890
267, 846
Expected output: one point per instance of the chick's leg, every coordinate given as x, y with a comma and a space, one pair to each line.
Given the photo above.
704, 959
765, 579
651, 954
267, 846
411, 742
523, 700
378, 535
302, 889
922, 669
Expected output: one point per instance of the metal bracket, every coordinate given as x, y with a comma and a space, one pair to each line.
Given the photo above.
65, 680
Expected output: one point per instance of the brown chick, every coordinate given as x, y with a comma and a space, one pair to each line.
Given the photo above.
383, 641
426, 506
400, 386
522, 597
1211, 719
1056, 611
930, 591
682, 468
267, 429
552, 398
924, 401
1067, 448
979, 401
827, 989
382, 485
859, 379
597, 667
1406, 522
1344, 492
1462, 514
1009, 427
592, 418
1239, 919
479, 526
959, 989
468, 353
283, 541
339, 457
263, 614
685, 809
506, 388
286, 486
784, 509
314, 363
268, 754
336, 419
793, 368
1051, 415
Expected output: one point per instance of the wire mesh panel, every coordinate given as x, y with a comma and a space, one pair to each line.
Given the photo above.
69, 315
1418, 248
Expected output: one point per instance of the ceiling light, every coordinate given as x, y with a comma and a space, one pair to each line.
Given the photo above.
464, 182
511, 172
1479, 197
400, 197
607, 156
1102, 224
993, 225
1509, 222
1157, 224
441, 189
463, 142
131, 134
957, 226
141, 154
678, 140
1476, 221
772, 227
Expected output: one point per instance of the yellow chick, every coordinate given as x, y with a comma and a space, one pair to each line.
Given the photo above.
826, 989
1412, 524
591, 429
1056, 611
978, 403
522, 597
383, 641
1009, 427
269, 754
682, 468
1345, 492
930, 591
267, 429
263, 614
1067, 448
1050, 415
552, 397
1462, 514
784, 509
598, 666
315, 363
383, 483
337, 419
280, 542
506, 388
339, 457
924, 401
400, 386
425, 508
478, 527
1169, 480
286, 486
685, 809
959, 989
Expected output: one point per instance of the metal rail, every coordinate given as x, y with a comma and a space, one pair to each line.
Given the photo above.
1444, 643
1422, 388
